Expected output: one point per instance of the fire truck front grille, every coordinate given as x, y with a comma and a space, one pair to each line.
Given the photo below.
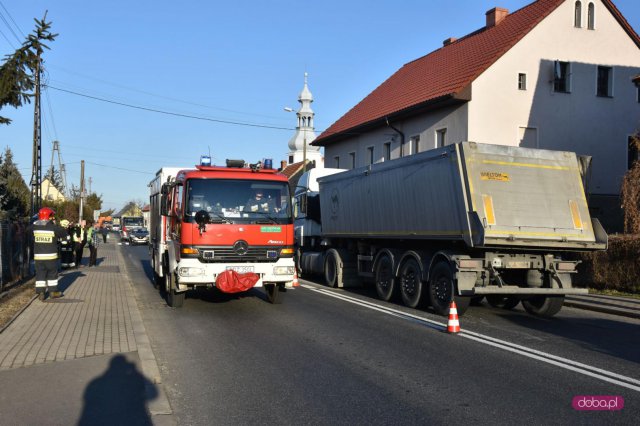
229, 254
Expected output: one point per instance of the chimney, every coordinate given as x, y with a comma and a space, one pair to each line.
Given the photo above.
283, 164
495, 16
449, 41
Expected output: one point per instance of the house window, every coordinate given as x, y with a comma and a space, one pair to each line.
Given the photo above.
441, 137
370, 155
415, 143
522, 81
291, 159
336, 161
562, 77
352, 158
604, 82
633, 151
387, 151
577, 15
405, 148
591, 16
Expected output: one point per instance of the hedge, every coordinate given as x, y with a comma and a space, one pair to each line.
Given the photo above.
617, 268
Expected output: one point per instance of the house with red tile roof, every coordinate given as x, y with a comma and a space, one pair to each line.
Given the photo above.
555, 74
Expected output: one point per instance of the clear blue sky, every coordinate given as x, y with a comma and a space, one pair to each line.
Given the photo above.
239, 61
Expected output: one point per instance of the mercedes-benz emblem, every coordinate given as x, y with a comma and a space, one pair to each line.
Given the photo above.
241, 247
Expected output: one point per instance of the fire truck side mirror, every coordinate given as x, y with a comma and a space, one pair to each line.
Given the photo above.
163, 205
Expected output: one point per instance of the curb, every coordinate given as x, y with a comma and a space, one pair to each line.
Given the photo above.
5, 326
603, 309
158, 405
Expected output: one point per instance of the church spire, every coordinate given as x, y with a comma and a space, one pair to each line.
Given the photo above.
305, 133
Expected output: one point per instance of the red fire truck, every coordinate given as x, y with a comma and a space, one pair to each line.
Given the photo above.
226, 227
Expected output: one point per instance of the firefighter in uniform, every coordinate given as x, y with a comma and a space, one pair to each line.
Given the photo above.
45, 252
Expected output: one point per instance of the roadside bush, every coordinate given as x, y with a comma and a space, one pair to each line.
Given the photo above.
617, 268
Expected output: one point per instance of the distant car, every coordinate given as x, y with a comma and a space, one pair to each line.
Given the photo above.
115, 227
139, 236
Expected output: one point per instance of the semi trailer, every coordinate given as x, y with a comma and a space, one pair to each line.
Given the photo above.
461, 222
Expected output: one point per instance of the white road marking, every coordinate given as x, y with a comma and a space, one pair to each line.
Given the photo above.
558, 361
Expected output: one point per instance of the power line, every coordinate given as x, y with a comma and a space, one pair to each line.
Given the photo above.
119, 168
53, 123
9, 26
11, 17
144, 92
175, 114
8, 41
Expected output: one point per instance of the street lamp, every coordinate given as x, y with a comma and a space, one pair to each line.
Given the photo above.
304, 141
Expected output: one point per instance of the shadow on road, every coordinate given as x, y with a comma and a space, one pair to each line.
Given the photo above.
118, 397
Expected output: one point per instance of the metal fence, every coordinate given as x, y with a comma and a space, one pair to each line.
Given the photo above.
14, 252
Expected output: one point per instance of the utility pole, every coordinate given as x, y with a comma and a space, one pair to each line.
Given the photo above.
81, 191
89, 185
36, 169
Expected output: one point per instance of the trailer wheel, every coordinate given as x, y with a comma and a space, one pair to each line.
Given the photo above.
275, 293
385, 279
411, 282
543, 306
174, 299
441, 290
503, 302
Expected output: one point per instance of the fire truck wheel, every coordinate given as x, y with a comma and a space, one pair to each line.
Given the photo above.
410, 283
275, 293
158, 281
175, 300
384, 278
543, 306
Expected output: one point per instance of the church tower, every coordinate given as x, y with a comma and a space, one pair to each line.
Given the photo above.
299, 144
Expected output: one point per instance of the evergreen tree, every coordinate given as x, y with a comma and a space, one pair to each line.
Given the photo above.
54, 177
14, 192
17, 72
93, 201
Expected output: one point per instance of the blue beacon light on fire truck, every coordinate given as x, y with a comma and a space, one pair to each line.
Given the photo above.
205, 160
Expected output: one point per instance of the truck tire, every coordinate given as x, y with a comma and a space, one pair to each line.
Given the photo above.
174, 299
503, 302
543, 306
275, 293
410, 278
385, 278
332, 268
441, 290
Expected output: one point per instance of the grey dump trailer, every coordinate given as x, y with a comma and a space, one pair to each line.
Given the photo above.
461, 222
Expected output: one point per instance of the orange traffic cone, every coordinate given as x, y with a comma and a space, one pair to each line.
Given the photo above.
453, 326
295, 280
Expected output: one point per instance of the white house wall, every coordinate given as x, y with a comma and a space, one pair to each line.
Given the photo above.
578, 121
454, 119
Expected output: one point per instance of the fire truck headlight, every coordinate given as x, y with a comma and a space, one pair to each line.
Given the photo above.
190, 272
283, 270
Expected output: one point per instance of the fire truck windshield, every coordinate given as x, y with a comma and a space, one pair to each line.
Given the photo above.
238, 201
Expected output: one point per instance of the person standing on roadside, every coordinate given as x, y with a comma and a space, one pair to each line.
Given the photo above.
104, 231
79, 239
93, 238
46, 234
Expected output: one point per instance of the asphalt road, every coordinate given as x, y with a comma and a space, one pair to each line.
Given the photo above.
329, 356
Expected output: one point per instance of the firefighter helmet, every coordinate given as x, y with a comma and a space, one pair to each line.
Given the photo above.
46, 213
